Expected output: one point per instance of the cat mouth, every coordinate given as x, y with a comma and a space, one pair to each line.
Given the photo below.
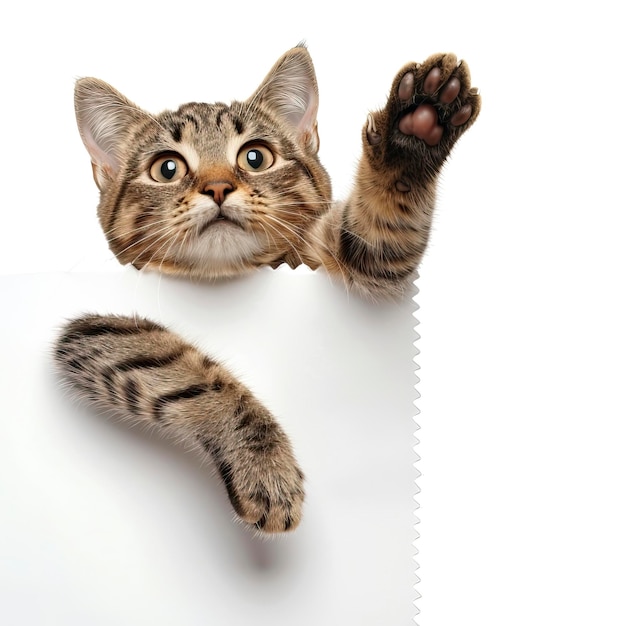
219, 221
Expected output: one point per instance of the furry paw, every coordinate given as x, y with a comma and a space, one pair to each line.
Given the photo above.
268, 496
259, 470
429, 108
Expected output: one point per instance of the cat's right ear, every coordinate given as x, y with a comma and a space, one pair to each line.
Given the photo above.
104, 117
290, 92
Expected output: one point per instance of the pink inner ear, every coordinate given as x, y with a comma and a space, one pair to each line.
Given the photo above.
103, 164
102, 159
297, 103
307, 126
103, 115
290, 91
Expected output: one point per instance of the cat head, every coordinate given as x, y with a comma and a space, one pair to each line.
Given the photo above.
209, 190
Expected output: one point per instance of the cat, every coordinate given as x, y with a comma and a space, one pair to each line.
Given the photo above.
214, 190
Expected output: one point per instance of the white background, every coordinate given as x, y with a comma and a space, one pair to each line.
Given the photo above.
104, 524
521, 293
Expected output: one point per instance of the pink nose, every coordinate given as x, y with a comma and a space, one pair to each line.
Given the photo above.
218, 190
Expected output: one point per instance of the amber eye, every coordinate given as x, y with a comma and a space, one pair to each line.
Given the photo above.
168, 168
255, 158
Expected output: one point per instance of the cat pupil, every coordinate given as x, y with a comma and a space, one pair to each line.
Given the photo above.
168, 169
254, 158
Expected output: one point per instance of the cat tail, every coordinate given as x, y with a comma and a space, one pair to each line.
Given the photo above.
137, 369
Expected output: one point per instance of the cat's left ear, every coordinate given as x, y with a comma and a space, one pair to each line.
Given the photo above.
290, 92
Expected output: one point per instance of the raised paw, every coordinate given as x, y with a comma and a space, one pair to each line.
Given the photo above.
433, 102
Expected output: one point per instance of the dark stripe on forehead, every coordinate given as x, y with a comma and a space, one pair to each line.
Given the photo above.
232, 117
174, 123
193, 120
219, 109
218, 118
177, 126
177, 132
238, 123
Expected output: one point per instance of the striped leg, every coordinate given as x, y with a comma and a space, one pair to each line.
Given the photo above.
138, 369
377, 237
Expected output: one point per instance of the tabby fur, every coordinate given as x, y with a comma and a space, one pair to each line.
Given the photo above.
214, 190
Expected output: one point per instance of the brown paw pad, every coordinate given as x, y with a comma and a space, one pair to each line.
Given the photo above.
406, 86
450, 91
422, 123
447, 92
462, 115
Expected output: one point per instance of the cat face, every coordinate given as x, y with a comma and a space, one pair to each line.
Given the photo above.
209, 190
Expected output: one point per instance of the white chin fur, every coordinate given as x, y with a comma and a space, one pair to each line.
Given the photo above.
220, 247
